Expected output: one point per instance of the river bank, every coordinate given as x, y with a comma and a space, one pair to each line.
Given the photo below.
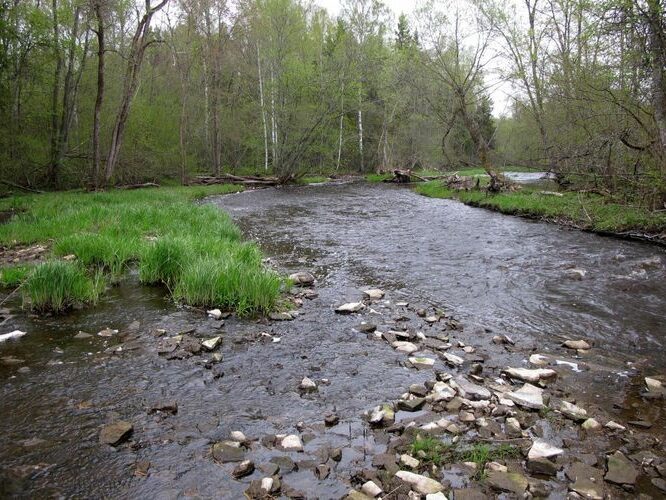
298, 398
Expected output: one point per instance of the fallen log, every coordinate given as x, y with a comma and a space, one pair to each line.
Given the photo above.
18, 186
139, 186
249, 180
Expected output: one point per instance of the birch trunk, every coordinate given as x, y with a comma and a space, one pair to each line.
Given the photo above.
263, 108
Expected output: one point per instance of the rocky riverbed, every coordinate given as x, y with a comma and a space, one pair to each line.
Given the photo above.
427, 358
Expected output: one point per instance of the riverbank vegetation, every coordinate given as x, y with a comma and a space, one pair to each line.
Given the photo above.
94, 239
283, 88
590, 211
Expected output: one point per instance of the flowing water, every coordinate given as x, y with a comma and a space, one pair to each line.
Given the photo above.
497, 274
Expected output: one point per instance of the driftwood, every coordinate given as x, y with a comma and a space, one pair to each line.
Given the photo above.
248, 180
18, 186
407, 176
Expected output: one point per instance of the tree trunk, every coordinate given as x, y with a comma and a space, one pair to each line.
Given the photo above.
99, 100
263, 108
55, 131
657, 46
360, 130
342, 116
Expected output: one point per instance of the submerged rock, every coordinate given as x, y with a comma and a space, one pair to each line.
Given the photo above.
420, 484
82, 335
170, 407
115, 433
107, 332
226, 453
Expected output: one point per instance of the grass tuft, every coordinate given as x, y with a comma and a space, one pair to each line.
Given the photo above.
57, 286
163, 262
11, 277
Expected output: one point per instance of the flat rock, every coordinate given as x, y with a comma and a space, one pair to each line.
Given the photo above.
586, 481
576, 344
225, 453
411, 404
620, 469
12, 335
115, 433
543, 449
420, 484
528, 396
212, 343
538, 360
469, 390
366, 328
527, 375
511, 482
82, 335
421, 362
107, 332
292, 443
469, 494
350, 307
404, 346
542, 466
452, 359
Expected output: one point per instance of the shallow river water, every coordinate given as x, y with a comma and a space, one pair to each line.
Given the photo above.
496, 274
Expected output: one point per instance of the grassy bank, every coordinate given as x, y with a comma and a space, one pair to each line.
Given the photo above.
432, 173
194, 250
585, 211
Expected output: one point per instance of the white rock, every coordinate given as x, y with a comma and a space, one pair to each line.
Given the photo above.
11, 335
214, 313
371, 489
572, 411
538, 360
436, 496
238, 436
576, 274
410, 461
403, 346
350, 307
513, 426
422, 362
527, 396
432, 319
292, 443
497, 467
543, 449
420, 484
107, 332
527, 375
453, 359
267, 484
374, 293
653, 385
576, 344
308, 385
302, 278
468, 390
615, 426
212, 343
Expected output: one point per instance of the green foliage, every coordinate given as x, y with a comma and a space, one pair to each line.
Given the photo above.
482, 453
57, 286
431, 450
11, 277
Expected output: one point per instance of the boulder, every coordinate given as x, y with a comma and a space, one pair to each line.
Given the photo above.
302, 278
115, 433
586, 481
510, 482
292, 443
576, 344
420, 484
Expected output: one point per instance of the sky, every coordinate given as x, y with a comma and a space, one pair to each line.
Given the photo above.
500, 92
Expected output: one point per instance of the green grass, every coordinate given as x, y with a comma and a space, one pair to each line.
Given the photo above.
57, 286
13, 276
193, 249
433, 450
586, 211
482, 453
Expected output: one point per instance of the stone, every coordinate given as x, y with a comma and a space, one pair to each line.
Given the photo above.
281, 316
572, 411
12, 335
420, 484
431, 319
513, 428
245, 468
591, 425
528, 396
503, 339
366, 328
409, 461
538, 360
527, 375
107, 332
374, 293
465, 416
226, 453
285, 463
576, 274
421, 362
411, 404
351, 307
331, 419
403, 346
322, 471
170, 407
335, 454
510, 482
418, 390
469, 390
82, 335
357, 495
576, 344
659, 483
586, 481
653, 385
115, 433
307, 385
302, 278
212, 343
436, 496
238, 436
452, 359
615, 426
469, 494
292, 443
371, 489
620, 470
542, 449
643, 424
542, 466
382, 415
214, 314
